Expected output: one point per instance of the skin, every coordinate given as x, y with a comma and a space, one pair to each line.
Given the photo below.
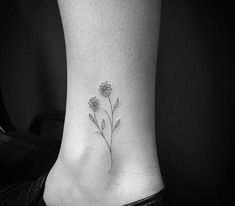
114, 41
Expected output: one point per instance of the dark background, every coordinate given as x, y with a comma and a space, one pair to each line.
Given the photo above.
193, 87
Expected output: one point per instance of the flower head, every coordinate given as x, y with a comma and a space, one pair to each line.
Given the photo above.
94, 104
105, 89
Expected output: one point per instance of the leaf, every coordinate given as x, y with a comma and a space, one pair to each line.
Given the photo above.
116, 124
115, 104
103, 125
98, 133
91, 118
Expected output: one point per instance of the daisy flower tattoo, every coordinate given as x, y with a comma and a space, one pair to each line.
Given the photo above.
94, 104
105, 89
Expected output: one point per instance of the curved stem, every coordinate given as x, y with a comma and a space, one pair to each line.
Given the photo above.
111, 156
111, 122
110, 104
102, 135
111, 115
108, 116
96, 123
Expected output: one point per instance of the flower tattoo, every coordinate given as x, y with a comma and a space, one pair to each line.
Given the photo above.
105, 90
94, 104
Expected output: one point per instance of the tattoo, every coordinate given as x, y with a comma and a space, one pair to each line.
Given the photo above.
105, 90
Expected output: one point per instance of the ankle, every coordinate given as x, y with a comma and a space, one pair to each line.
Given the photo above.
120, 185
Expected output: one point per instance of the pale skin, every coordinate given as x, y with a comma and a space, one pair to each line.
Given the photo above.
114, 41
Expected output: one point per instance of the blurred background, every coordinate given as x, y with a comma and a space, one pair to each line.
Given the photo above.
192, 102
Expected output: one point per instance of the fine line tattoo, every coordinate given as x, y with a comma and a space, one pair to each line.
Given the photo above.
105, 90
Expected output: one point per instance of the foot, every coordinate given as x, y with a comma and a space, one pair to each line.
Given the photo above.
84, 177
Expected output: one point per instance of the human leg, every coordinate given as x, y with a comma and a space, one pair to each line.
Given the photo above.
115, 162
